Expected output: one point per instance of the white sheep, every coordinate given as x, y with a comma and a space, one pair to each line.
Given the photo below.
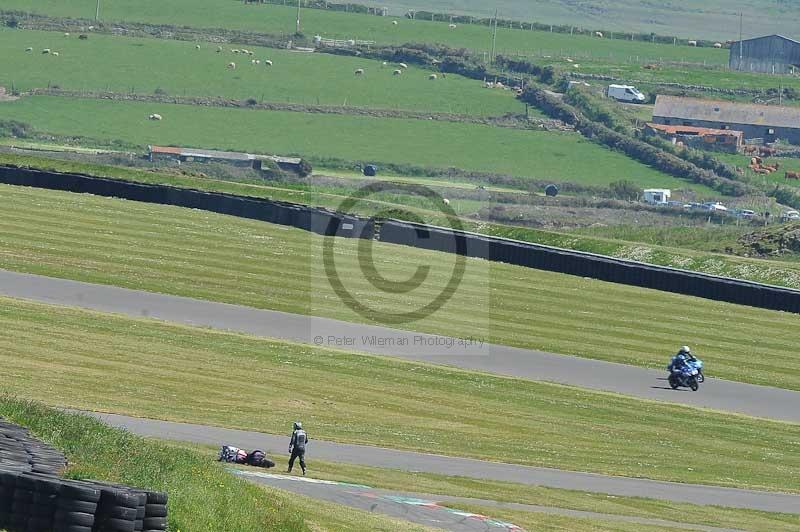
717, 45
251, 53
397, 72
154, 116
446, 201
403, 65
232, 66
385, 63
252, 61
452, 26
432, 76
219, 49
29, 49
268, 63
258, 61
598, 34
66, 35
235, 51
46, 51
394, 23
54, 54
359, 71
197, 46
692, 43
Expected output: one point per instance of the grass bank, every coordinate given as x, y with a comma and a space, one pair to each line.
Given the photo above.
202, 496
147, 368
209, 256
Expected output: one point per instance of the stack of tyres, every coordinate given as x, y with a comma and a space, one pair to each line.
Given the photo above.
118, 508
76, 508
46, 489
8, 481
155, 518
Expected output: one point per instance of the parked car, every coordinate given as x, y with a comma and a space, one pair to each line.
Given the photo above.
790, 216
714, 206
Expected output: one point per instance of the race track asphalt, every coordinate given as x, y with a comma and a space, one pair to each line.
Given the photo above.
759, 401
436, 510
276, 448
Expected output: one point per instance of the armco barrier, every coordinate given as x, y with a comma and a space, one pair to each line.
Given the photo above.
593, 266
317, 220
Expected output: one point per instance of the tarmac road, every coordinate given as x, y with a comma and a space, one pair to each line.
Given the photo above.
429, 510
759, 401
276, 447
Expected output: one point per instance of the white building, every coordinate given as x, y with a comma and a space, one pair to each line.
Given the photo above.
657, 196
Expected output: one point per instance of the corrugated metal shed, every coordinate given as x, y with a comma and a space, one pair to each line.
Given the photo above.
771, 54
726, 112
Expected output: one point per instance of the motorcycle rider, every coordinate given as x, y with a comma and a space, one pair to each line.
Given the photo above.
680, 361
297, 446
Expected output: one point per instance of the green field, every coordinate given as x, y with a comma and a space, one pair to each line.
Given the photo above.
209, 256
177, 68
202, 496
541, 155
279, 19
148, 368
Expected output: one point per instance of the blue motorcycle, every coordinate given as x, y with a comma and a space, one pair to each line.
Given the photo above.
687, 377
696, 363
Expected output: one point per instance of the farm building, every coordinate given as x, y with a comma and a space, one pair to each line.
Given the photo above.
698, 137
773, 54
766, 122
230, 157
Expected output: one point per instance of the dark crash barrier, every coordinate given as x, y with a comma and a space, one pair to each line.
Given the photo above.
317, 220
590, 265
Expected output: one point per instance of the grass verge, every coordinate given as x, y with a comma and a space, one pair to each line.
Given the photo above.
202, 496
146, 368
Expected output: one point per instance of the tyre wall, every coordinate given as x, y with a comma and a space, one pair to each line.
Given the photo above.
317, 220
594, 266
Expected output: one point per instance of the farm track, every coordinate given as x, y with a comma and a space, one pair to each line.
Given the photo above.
508, 121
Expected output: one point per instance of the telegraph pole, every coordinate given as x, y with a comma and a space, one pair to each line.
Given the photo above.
741, 52
97, 12
297, 28
494, 37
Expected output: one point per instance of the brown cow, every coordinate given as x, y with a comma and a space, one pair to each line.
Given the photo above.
766, 151
761, 170
792, 175
750, 150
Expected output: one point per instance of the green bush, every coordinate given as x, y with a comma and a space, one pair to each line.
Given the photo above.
625, 190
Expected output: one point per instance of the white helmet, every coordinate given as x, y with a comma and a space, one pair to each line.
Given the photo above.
298, 425
686, 349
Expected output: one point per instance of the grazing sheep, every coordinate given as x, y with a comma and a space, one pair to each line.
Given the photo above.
385, 63
46, 51
252, 61
235, 51
232, 66
54, 54
66, 35
446, 201
197, 46
258, 61
251, 53
154, 116
403, 65
452, 26
394, 23
29, 49
219, 49
717, 45
397, 72
359, 71
268, 63
432, 76
692, 43
598, 34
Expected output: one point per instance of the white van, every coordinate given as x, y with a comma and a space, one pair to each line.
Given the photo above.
626, 93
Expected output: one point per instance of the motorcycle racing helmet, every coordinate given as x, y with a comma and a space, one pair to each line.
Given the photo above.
298, 425
685, 350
